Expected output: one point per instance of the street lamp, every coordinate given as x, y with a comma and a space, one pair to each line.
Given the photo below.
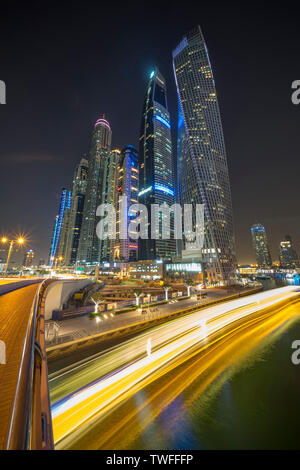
59, 258
19, 241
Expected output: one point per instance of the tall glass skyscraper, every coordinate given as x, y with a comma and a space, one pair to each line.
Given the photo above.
127, 186
108, 197
202, 165
287, 253
64, 207
261, 246
156, 182
89, 248
73, 227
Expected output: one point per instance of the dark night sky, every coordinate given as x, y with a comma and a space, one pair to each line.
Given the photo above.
66, 65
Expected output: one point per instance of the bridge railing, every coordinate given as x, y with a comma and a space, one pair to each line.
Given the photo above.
31, 426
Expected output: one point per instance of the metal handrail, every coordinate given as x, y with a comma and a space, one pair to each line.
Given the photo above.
41, 421
24, 432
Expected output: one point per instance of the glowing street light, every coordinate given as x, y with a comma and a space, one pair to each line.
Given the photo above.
19, 241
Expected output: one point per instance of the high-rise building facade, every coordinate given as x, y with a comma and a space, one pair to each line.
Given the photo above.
287, 253
201, 158
73, 225
108, 197
89, 248
64, 207
65, 232
261, 246
28, 259
126, 249
156, 179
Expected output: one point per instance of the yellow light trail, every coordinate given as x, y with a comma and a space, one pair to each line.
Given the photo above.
101, 396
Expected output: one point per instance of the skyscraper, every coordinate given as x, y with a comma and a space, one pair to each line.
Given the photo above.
28, 259
156, 179
108, 197
65, 203
73, 228
127, 186
287, 254
202, 164
261, 246
65, 231
88, 249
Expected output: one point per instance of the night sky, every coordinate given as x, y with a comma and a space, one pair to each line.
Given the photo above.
65, 65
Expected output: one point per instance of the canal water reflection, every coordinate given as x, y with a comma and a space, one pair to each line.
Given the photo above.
254, 404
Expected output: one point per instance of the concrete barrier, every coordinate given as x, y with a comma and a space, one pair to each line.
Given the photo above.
60, 291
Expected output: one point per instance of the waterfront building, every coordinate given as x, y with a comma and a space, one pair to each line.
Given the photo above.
64, 207
261, 246
73, 224
28, 259
89, 249
109, 188
126, 248
287, 253
156, 179
201, 159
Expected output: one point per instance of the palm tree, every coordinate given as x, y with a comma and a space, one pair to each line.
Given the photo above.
167, 287
138, 293
97, 302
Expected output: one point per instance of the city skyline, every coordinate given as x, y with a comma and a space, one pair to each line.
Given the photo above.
270, 209
150, 234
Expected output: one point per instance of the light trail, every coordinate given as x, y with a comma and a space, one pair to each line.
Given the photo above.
104, 394
72, 378
127, 425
